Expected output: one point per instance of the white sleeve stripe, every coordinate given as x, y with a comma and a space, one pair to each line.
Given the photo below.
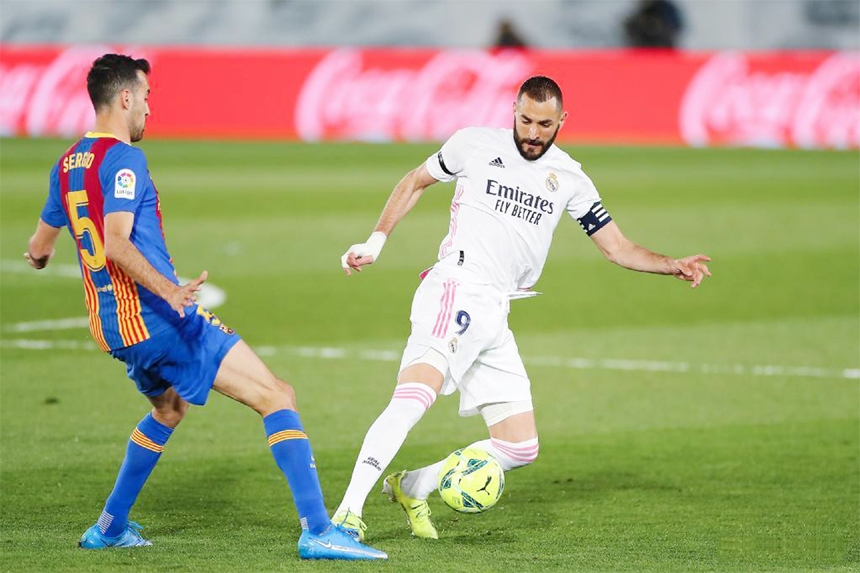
594, 219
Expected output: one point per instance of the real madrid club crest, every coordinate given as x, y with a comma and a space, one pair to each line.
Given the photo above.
552, 182
452, 345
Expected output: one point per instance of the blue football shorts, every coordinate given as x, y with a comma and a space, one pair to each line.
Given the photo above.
186, 357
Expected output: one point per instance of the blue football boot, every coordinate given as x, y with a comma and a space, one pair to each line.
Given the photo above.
93, 538
336, 543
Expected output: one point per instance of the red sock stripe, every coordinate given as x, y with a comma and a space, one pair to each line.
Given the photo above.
141, 440
286, 435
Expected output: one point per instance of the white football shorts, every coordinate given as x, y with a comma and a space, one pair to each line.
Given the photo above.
468, 324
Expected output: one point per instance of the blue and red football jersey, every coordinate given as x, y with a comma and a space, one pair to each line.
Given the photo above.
99, 175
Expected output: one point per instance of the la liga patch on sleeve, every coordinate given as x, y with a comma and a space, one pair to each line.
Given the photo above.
124, 184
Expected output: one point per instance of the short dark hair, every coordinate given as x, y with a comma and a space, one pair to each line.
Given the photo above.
541, 89
111, 74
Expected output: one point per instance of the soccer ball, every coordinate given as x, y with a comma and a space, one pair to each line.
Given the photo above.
471, 481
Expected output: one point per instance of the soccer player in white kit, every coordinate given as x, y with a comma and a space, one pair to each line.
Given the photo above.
513, 188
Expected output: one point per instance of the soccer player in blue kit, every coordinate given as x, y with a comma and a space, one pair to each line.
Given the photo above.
174, 350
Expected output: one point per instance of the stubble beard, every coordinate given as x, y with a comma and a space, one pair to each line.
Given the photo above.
519, 141
136, 133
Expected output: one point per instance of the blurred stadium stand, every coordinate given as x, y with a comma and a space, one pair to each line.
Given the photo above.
553, 24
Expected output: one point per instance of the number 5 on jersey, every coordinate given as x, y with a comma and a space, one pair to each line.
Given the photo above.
81, 224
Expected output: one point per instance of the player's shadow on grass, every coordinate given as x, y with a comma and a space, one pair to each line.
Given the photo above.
598, 483
457, 529
236, 493
530, 499
480, 535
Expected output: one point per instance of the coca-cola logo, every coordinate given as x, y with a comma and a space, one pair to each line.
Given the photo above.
829, 111
16, 83
727, 103
344, 97
49, 99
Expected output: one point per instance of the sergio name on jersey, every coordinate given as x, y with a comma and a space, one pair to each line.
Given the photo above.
96, 176
506, 208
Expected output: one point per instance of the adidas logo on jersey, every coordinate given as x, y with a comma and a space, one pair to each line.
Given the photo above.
497, 162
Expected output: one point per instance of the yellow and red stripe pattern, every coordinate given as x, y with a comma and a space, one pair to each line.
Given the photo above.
141, 440
283, 435
132, 328
92, 300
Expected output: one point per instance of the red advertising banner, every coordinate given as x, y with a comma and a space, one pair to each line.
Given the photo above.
783, 99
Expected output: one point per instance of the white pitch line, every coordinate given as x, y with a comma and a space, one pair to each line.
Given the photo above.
41, 325
577, 363
209, 296
65, 271
24, 344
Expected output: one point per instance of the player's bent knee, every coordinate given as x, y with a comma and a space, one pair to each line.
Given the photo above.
276, 395
170, 414
287, 392
169, 408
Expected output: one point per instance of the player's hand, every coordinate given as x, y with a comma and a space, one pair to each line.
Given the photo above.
39, 263
363, 253
186, 295
692, 269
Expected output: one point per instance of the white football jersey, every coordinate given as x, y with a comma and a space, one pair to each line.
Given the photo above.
506, 208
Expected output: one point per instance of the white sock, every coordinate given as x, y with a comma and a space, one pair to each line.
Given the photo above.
422, 482
510, 455
383, 440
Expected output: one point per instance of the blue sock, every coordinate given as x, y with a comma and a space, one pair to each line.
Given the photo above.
292, 451
144, 448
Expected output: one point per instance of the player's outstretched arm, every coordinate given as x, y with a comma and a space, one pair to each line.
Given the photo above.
624, 252
40, 248
400, 202
120, 250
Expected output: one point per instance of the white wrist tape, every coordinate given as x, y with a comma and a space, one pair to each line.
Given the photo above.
375, 242
371, 248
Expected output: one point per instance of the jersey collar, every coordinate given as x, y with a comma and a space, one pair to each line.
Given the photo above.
97, 134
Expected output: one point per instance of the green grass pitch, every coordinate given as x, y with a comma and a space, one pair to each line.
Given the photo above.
707, 430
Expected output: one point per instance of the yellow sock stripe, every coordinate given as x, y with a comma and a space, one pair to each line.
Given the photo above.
141, 440
287, 435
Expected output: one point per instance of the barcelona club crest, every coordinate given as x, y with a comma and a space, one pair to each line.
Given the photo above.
552, 182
